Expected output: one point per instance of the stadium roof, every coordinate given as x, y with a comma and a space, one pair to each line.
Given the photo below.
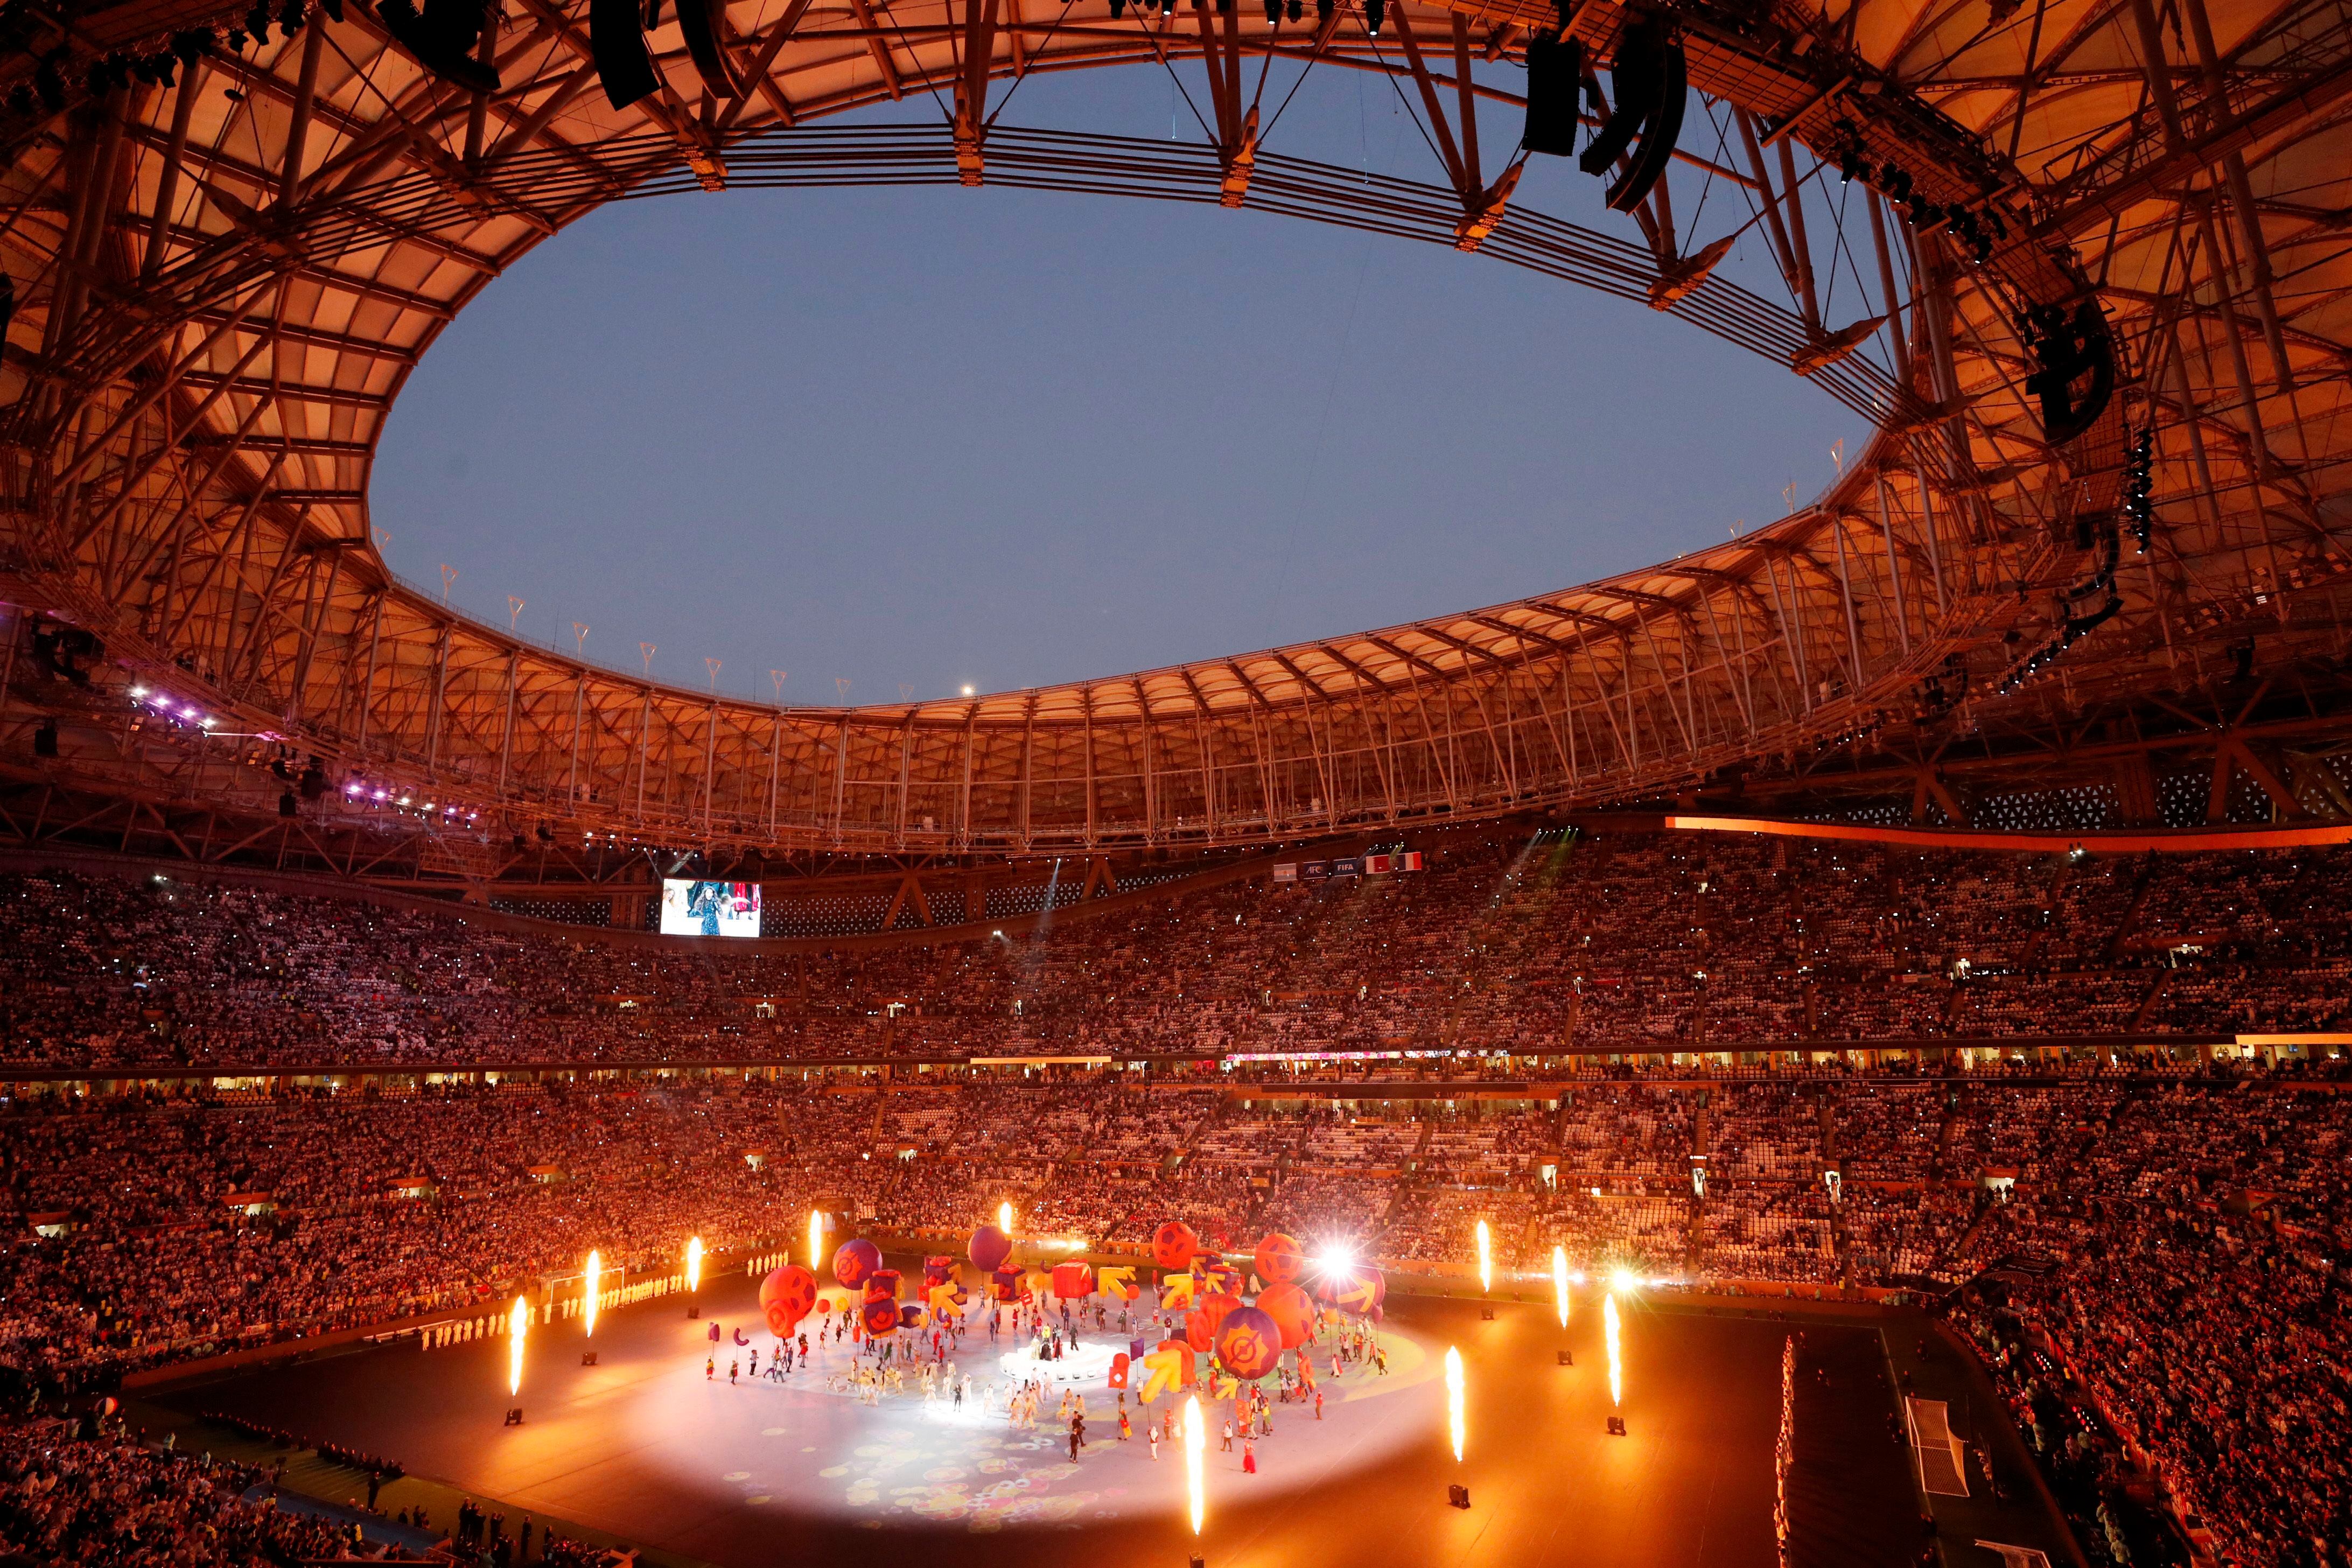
221, 284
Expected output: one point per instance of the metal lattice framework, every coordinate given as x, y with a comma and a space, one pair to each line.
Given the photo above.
221, 285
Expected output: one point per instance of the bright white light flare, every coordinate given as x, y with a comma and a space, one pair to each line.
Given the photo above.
694, 1263
1616, 1366
595, 1288
1005, 1218
1485, 1257
518, 1330
1196, 1444
1456, 1423
1559, 1282
817, 1238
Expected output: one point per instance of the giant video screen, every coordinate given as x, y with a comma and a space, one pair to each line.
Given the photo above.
709, 908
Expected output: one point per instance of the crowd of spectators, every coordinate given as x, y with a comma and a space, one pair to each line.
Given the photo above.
2183, 1275
69, 1494
2164, 1236
1662, 942
2177, 1241
193, 1228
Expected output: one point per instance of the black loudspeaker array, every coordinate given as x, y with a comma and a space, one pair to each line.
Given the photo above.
443, 36
1555, 85
1652, 83
1652, 80
616, 38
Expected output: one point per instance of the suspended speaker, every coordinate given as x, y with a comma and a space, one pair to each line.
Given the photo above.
2068, 348
698, 20
1638, 78
617, 40
443, 39
1555, 70
1660, 132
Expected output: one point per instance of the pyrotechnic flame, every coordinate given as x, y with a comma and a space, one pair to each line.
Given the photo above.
1485, 1257
1456, 1423
1616, 1369
517, 1328
1560, 1281
1005, 1218
1784, 1454
817, 1238
1196, 1443
694, 1263
595, 1282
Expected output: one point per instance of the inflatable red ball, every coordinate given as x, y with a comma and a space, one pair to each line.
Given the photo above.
1293, 1313
1249, 1345
989, 1249
1173, 1245
786, 1296
1280, 1259
856, 1261
1208, 1314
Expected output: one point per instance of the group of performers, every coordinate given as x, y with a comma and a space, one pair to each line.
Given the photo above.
885, 1366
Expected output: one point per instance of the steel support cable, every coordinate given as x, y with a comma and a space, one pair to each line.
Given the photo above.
1315, 57
1159, 54
1391, 73
929, 85
1021, 78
